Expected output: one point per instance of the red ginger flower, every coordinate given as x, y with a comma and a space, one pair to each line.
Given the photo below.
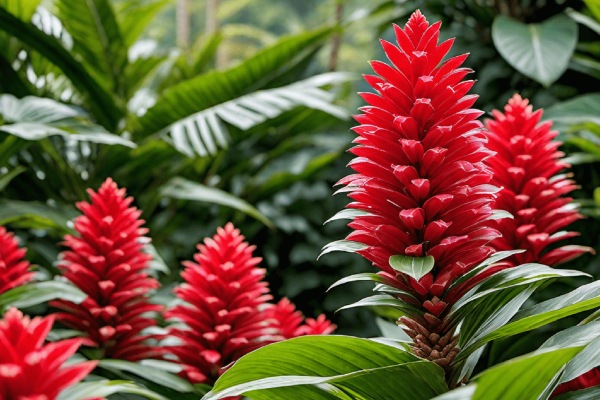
288, 321
14, 269
224, 292
421, 180
225, 313
30, 369
421, 176
107, 263
526, 167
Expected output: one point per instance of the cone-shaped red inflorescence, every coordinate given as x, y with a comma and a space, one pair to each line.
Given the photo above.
107, 263
290, 322
225, 313
526, 167
14, 269
421, 176
30, 369
220, 320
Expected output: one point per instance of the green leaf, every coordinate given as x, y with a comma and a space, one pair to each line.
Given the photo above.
384, 300
179, 188
523, 378
35, 215
156, 375
217, 87
415, 267
35, 293
135, 16
349, 364
585, 394
584, 20
105, 388
581, 299
96, 38
573, 113
539, 51
462, 393
204, 132
99, 99
9, 176
587, 335
347, 246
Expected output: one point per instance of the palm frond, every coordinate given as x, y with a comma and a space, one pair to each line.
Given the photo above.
217, 87
96, 38
205, 132
100, 101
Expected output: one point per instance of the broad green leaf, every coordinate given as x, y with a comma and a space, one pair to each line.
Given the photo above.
384, 300
523, 378
217, 87
35, 215
9, 176
348, 246
179, 188
204, 133
99, 99
105, 388
581, 299
364, 276
96, 38
539, 51
35, 293
135, 16
594, 8
584, 394
392, 330
572, 114
462, 393
156, 375
587, 335
347, 213
348, 363
584, 20
415, 267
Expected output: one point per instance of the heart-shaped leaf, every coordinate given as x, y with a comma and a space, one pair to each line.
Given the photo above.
416, 267
539, 51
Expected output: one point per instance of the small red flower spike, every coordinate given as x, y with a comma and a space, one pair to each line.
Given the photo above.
221, 318
14, 269
30, 369
289, 321
107, 263
526, 167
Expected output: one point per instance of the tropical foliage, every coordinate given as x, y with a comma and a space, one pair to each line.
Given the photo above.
120, 151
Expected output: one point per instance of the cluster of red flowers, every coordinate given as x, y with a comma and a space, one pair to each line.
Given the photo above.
226, 313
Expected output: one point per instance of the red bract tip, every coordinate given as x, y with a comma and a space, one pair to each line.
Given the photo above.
30, 369
14, 269
420, 170
107, 263
526, 166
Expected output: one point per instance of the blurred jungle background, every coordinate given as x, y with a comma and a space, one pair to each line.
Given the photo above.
210, 111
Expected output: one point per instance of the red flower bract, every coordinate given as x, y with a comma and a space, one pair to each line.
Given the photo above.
526, 166
290, 322
421, 177
225, 313
14, 269
30, 369
224, 292
107, 263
